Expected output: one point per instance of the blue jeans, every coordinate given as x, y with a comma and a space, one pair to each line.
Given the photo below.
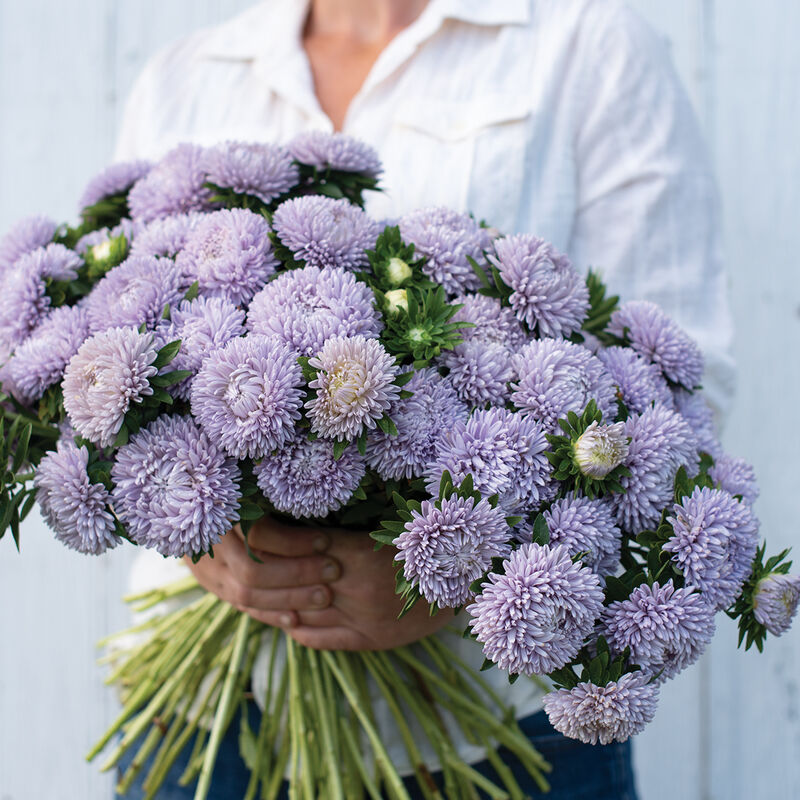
580, 771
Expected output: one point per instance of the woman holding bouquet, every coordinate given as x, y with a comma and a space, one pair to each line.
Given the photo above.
563, 119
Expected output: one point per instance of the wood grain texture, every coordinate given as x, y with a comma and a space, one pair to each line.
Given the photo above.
729, 728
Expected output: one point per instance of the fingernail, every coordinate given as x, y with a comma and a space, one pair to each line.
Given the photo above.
319, 597
320, 543
285, 620
330, 572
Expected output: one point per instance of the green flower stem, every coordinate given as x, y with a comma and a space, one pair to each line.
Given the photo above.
503, 771
144, 600
276, 778
355, 671
325, 711
393, 780
354, 751
39, 428
226, 698
424, 779
475, 777
137, 698
301, 763
264, 724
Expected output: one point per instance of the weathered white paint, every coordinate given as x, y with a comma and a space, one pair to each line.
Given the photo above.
727, 729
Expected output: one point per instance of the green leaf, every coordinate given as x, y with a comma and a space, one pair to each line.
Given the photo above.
22, 447
248, 510
193, 291
167, 353
122, 436
338, 448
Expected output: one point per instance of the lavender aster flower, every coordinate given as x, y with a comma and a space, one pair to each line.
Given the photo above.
174, 489
421, 421
659, 339
75, 508
229, 254
604, 714
166, 236
504, 453
325, 232
556, 377
491, 322
175, 185
641, 383
667, 629
697, 413
40, 361
534, 618
355, 386
134, 293
775, 601
480, 373
446, 239
549, 295
23, 290
335, 151
305, 307
265, 171
203, 325
303, 478
445, 549
109, 373
660, 443
584, 525
116, 179
25, 235
735, 476
247, 396
714, 543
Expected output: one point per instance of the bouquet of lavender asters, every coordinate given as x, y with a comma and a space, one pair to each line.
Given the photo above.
228, 334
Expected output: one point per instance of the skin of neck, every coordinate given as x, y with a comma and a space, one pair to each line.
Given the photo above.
363, 21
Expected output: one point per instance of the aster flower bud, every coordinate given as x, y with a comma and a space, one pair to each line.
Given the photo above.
100, 252
397, 299
398, 271
775, 601
600, 449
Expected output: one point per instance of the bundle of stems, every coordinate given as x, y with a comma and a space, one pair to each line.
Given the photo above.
189, 672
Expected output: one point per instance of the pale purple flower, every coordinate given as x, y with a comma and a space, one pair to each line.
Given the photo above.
555, 377
421, 421
24, 302
588, 526
175, 185
39, 362
336, 151
491, 322
303, 478
504, 454
203, 325
640, 382
174, 489
354, 386
659, 339
325, 232
661, 443
29, 233
549, 295
247, 396
693, 407
446, 239
116, 179
714, 542
775, 601
735, 476
74, 507
533, 619
305, 307
604, 714
229, 254
262, 170
166, 236
134, 293
480, 372
444, 550
109, 373
667, 629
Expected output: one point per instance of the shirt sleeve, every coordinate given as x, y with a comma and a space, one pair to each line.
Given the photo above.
647, 211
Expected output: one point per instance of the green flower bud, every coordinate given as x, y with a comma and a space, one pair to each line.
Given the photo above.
398, 271
397, 299
600, 449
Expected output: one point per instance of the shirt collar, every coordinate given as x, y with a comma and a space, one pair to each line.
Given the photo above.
243, 38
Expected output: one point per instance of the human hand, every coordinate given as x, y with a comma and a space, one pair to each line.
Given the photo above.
294, 574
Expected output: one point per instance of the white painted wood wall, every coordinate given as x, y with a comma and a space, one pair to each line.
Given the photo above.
729, 729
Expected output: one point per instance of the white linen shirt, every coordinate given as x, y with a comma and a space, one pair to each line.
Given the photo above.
562, 118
